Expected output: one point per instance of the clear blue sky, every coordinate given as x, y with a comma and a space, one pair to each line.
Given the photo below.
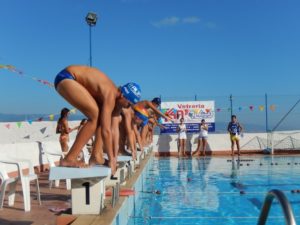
170, 47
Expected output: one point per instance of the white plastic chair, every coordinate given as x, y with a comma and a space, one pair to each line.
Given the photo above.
50, 157
25, 181
7, 181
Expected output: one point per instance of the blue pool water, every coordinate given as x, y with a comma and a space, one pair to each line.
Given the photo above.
208, 190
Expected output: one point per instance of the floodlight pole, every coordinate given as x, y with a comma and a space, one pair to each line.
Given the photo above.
91, 60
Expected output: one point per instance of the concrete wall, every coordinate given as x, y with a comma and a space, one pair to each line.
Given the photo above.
221, 142
24, 141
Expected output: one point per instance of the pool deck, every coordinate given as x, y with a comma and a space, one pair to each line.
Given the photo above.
59, 197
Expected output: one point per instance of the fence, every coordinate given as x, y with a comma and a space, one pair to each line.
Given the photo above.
257, 113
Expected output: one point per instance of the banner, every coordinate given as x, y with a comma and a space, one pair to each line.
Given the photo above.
192, 112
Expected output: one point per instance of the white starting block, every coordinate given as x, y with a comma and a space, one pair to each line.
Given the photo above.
87, 187
122, 160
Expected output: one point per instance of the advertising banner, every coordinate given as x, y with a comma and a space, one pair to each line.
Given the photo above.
192, 112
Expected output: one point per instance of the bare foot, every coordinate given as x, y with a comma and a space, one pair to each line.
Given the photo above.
96, 160
69, 163
195, 153
125, 153
113, 165
134, 156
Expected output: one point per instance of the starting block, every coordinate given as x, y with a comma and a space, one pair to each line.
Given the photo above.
87, 187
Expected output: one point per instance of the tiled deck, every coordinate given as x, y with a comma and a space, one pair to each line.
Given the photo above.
56, 198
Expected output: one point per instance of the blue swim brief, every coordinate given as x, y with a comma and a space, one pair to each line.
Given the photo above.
64, 74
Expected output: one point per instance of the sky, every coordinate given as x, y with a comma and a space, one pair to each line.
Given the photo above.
172, 48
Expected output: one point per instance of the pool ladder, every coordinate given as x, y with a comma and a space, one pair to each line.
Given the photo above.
285, 205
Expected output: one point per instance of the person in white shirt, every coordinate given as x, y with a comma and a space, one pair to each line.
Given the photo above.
181, 130
203, 135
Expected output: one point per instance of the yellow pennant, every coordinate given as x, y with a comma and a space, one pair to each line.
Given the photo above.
51, 117
261, 108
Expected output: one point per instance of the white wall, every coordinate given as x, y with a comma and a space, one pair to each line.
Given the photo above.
221, 142
23, 142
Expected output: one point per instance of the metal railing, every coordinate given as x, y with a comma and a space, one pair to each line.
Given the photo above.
285, 205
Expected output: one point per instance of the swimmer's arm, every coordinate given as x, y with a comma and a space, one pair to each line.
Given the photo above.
138, 136
228, 128
105, 123
115, 133
128, 120
241, 128
74, 128
156, 123
149, 104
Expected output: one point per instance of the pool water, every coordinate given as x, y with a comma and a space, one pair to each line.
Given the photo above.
215, 190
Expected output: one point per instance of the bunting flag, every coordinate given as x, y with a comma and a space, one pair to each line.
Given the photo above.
73, 111
51, 117
19, 124
43, 130
251, 108
13, 69
272, 107
27, 137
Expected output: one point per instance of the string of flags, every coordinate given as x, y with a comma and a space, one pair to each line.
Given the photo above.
251, 108
19, 72
39, 119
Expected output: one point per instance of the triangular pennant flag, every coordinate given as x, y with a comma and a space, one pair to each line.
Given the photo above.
7, 126
218, 110
251, 107
27, 137
40, 119
73, 111
29, 121
43, 130
19, 124
261, 108
51, 117
272, 107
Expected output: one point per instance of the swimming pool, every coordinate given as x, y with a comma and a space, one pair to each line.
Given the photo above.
214, 190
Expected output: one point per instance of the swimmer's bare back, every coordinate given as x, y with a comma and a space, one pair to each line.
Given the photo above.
95, 81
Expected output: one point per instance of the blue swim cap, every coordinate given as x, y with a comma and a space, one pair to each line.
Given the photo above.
157, 101
132, 92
